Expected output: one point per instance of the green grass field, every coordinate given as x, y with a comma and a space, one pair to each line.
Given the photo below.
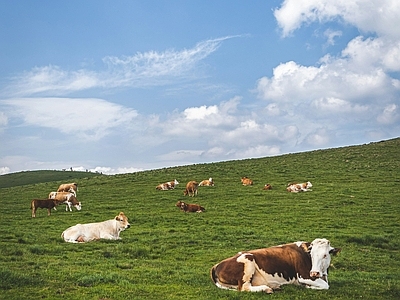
167, 254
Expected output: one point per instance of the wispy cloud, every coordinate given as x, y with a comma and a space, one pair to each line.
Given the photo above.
88, 118
142, 69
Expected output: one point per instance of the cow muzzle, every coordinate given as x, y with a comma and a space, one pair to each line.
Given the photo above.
315, 274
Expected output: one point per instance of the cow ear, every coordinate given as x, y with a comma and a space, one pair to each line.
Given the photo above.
335, 251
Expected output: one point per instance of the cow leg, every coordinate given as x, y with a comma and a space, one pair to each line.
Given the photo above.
34, 212
317, 284
249, 269
49, 211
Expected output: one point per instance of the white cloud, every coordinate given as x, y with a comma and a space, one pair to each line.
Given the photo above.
140, 70
200, 113
331, 35
4, 170
389, 115
378, 16
88, 118
320, 138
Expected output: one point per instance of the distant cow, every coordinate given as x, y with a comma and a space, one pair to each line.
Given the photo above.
170, 185
299, 263
267, 186
109, 230
68, 187
191, 188
42, 203
246, 181
299, 187
65, 197
209, 182
190, 207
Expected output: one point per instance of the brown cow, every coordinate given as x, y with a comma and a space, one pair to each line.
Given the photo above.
299, 263
190, 207
68, 187
191, 189
246, 181
42, 203
209, 182
267, 186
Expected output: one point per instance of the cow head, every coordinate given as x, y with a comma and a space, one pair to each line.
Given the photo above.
122, 221
78, 206
176, 182
320, 250
309, 185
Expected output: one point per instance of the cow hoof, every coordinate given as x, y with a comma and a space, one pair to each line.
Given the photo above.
268, 291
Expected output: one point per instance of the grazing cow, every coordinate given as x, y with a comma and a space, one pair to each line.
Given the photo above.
267, 186
190, 207
170, 185
209, 182
109, 230
299, 187
42, 203
191, 188
246, 181
65, 197
299, 263
68, 187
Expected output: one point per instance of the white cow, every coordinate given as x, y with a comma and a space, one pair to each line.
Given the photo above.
109, 230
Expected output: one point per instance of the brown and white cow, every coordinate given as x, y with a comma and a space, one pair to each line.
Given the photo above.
298, 263
190, 207
67, 198
299, 187
246, 181
68, 187
191, 188
170, 185
267, 186
42, 203
209, 182
109, 230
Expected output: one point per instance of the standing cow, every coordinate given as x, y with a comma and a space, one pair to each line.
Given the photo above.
68, 187
42, 203
191, 188
298, 263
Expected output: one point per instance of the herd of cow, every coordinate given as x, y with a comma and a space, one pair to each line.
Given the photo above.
265, 270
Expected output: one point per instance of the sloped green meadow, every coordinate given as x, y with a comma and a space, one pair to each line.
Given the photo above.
167, 254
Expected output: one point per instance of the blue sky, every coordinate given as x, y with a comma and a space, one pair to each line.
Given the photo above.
124, 86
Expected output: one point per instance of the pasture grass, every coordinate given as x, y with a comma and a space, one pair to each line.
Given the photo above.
167, 254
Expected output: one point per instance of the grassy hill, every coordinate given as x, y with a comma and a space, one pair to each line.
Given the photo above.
32, 177
167, 254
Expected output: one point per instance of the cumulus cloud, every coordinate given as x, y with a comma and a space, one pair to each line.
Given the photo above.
139, 70
88, 118
4, 170
389, 115
377, 16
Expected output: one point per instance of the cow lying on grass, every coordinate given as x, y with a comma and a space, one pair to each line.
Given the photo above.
109, 230
299, 187
170, 185
190, 207
264, 270
42, 203
209, 182
246, 181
